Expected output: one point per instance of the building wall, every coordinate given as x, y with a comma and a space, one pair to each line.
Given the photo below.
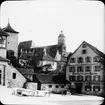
85, 73
54, 88
8, 78
3, 52
14, 81
12, 43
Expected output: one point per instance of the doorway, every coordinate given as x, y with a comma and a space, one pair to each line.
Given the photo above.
79, 88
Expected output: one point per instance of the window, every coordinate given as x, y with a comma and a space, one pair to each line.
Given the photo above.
96, 78
87, 68
80, 78
62, 86
88, 88
57, 86
96, 68
80, 60
96, 88
72, 78
96, 59
14, 76
88, 59
50, 86
88, 78
2, 41
84, 46
80, 69
72, 60
84, 51
72, 69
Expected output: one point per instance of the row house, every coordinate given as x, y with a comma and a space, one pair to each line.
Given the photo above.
85, 69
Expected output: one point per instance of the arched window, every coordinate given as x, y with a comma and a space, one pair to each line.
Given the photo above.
72, 60
80, 78
80, 60
72, 69
79, 69
88, 59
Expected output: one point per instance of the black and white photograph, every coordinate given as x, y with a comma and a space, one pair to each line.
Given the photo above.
52, 52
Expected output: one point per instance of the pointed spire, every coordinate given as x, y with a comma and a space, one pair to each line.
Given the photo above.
9, 28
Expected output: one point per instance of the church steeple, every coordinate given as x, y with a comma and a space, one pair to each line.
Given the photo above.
61, 38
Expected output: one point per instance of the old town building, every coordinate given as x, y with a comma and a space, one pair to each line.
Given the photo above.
9, 76
53, 55
85, 70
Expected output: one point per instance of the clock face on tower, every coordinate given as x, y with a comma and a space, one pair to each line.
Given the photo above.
2, 41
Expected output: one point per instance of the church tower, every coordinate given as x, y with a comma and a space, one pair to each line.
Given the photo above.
61, 42
12, 39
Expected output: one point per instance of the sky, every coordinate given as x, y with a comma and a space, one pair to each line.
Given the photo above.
42, 21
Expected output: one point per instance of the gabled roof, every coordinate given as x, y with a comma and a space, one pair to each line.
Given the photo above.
93, 48
53, 79
45, 78
9, 29
4, 59
2, 33
50, 52
25, 45
26, 70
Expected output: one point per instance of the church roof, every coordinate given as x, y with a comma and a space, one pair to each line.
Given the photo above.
9, 29
25, 45
50, 52
2, 33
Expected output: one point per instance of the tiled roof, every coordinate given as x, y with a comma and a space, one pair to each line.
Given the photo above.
26, 56
9, 29
96, 50
25, 45
43, 78
50, 52
50, 78
26, 70
2, 33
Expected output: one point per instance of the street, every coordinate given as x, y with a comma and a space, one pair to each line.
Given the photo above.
7, 98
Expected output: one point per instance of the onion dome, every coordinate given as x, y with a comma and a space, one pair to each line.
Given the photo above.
9, 29
61, 34
2, 33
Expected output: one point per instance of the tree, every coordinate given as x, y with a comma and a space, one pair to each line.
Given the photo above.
12, 58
